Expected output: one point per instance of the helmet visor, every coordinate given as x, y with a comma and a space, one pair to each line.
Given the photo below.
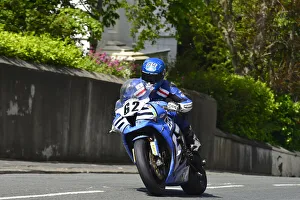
152, 78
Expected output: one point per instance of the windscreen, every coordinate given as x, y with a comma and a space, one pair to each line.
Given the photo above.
133, 88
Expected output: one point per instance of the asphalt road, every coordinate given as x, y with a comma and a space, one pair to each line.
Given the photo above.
129, 186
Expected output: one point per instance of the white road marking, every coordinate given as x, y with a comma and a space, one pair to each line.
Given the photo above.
225, 186
50, 195
173, 188
209, 187
222, 184
284, 185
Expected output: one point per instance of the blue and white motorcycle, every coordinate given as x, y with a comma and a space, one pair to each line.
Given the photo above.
154, 142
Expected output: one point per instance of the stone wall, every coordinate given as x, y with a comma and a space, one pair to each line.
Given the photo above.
233, 153
65, 114
49, 114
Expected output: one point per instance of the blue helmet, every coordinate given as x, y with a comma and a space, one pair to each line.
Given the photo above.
153, 70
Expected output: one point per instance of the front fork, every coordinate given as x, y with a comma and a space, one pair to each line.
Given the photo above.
154, 147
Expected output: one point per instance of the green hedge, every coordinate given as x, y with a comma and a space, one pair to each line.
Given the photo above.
286, 121
245, 106
40, 49
248, 108
60, 53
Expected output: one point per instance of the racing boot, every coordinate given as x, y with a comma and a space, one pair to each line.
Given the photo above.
193, 147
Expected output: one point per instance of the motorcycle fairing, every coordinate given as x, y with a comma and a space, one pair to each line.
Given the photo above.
178, 172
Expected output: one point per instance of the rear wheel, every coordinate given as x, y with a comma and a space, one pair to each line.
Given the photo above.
197, 182
152, 178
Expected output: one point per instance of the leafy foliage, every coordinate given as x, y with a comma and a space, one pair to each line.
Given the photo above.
151, 18
245, 106
248, 108
202, 46
60, 19
286, 121
47, 50
255, 38
41, 49
263, 38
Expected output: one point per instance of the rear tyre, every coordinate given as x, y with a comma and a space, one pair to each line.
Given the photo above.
197, 182
147, 174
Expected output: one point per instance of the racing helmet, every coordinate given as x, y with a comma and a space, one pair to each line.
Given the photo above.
153, 70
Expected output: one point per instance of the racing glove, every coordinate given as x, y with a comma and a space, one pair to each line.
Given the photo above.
172, 106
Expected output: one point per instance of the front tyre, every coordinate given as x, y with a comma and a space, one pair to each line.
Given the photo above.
147, 174
197, 182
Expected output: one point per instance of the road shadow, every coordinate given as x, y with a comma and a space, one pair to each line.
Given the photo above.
179, 193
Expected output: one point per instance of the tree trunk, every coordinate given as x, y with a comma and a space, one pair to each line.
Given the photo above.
229, 34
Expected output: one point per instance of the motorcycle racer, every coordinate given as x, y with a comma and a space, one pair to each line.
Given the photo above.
153, 72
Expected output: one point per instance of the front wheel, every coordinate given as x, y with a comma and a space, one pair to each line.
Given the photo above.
197, 182
142, 151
